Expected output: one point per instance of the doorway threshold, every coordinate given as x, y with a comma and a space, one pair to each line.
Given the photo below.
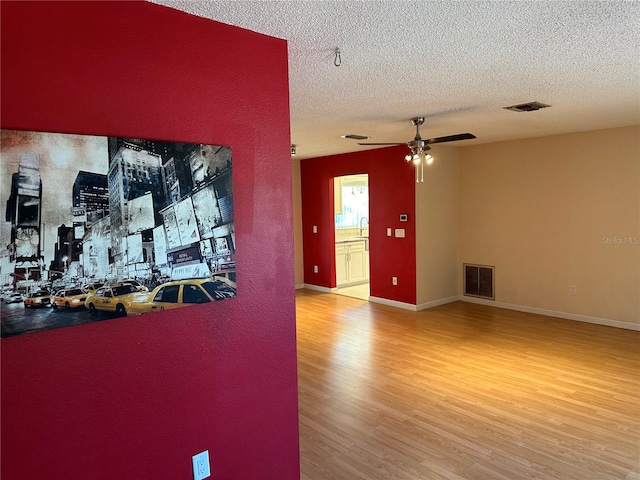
360, 291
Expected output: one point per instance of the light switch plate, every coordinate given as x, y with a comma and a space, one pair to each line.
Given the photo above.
201, 468
399, 232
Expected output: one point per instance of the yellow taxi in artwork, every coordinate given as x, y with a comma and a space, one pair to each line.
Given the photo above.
92, 287
181, 293
41, 298
112, 298
69, 298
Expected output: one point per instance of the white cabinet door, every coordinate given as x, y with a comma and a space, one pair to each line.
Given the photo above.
342, 273
352, 263
357, 265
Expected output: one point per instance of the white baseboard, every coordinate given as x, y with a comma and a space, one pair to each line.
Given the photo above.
435, 303
552, 313
318, 288
300, 285
393, 303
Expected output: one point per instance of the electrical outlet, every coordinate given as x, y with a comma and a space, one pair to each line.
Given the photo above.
201, 467
572, 289
394, 280
315, 269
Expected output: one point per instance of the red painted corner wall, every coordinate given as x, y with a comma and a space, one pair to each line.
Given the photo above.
135, 398
391, 193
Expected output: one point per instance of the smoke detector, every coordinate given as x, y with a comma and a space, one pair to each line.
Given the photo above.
527, 107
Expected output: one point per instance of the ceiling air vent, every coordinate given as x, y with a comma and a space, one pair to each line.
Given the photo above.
527, 107
353, 136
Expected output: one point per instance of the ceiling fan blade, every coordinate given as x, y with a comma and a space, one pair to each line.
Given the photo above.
382, 143
451, 138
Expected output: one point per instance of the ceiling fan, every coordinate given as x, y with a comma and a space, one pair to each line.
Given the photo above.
419, 146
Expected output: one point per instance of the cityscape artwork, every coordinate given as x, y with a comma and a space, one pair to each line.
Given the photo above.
102, 227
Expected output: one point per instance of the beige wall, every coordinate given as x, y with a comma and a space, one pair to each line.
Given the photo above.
437, 228
297, 222
546, 212
553, 212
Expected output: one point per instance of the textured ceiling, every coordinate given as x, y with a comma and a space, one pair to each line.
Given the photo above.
457, 63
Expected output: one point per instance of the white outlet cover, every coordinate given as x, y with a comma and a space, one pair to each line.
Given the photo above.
201, 468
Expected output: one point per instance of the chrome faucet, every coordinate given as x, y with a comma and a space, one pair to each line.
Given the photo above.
361, 228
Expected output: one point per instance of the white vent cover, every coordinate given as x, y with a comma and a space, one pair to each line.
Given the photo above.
354, 136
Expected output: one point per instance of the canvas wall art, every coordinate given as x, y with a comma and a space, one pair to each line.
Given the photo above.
102, 227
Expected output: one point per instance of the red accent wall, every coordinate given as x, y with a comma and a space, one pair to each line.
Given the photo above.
137, 397
391, 193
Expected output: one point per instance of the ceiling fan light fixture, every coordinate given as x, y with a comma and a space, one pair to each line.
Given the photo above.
419, 147
420, 159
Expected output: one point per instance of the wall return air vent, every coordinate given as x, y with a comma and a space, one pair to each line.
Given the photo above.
478, 281
527, 107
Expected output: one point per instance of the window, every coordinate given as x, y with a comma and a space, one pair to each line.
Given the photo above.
168, 294
124, 289
352, 201
219, 289
193, 294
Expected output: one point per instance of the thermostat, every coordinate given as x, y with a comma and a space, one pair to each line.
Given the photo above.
403, 217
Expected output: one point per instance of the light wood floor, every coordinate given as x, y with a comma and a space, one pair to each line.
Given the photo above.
463, 391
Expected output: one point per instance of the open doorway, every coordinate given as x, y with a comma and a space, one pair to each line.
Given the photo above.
351, 197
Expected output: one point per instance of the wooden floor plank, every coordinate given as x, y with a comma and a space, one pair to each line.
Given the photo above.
463, 391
